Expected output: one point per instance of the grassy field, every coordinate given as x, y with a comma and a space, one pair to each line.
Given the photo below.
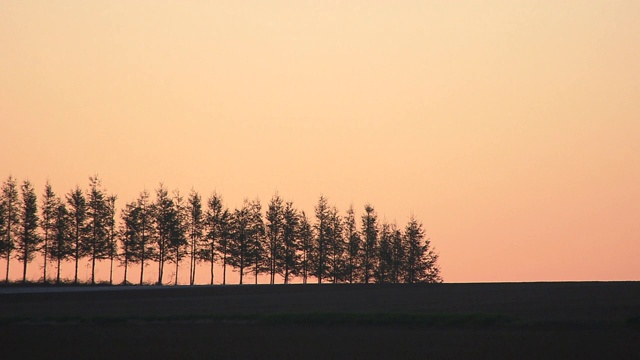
449, 321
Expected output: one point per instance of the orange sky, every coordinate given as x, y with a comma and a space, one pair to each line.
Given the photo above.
510, 128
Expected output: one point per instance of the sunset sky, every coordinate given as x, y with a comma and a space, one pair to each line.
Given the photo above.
511, 129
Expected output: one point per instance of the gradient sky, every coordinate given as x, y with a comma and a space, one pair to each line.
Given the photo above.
510, 128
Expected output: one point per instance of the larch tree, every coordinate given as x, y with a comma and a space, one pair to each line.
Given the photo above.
370, 242
28, 240
97, 241
178, 233
274, 236
112, 250
144, 248
196, 225
10, 229
78, 212
305, 246
422, 261
216, 244
336, 247
398, 255
163, 218
382, 273
257, 250
49, 207
354, 246
290, 237
320, 253
130, 234
61, 237
240, 239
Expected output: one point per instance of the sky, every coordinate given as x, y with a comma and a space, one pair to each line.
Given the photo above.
511, 129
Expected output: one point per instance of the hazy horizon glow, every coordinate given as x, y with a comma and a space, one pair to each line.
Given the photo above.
511, 129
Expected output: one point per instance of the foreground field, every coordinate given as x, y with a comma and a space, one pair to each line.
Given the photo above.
456, 321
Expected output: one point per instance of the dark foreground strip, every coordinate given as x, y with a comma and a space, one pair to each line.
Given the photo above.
420, 320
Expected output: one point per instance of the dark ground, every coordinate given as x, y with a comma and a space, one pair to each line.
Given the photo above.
448, 321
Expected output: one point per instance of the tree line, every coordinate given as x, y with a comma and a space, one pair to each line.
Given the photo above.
169, 230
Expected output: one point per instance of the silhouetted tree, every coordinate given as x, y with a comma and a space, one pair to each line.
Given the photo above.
28, 241
290, 237
240, 239
78, 212
370, 235
421, 263
130, 234
49, 207
336, 247
354, 246
196, 224
398, 255
257, 252
97, 241
275, 236
217, 235
305, 244
11, 207
61, 237
178, 233
319, 255
163, 221
3, 225
138, 233
384, 262
112, 250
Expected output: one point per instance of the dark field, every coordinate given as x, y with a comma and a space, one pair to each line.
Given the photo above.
449, 321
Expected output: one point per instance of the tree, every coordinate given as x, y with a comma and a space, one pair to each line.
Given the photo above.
195, 224
336, 247
61, 236
275, 236
320, 254
10, 229
142, 248
97, 241
240, 238
177, 232
370, 234
256, 251
305, 245
49, 207
290, 236
217, 235
398, 255
130, 234
384, 262
163, 220
28, 241
421, 265
78, 212
112, 250
354, 246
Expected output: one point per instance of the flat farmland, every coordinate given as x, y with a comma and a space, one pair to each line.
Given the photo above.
452, 321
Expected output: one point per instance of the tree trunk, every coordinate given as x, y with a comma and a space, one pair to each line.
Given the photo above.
141, 271
212, 262
126, 265
111, 271
8, 261
177, 264
224, 267
75, 279
25, 262
46, 247
93, 266
58, 270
